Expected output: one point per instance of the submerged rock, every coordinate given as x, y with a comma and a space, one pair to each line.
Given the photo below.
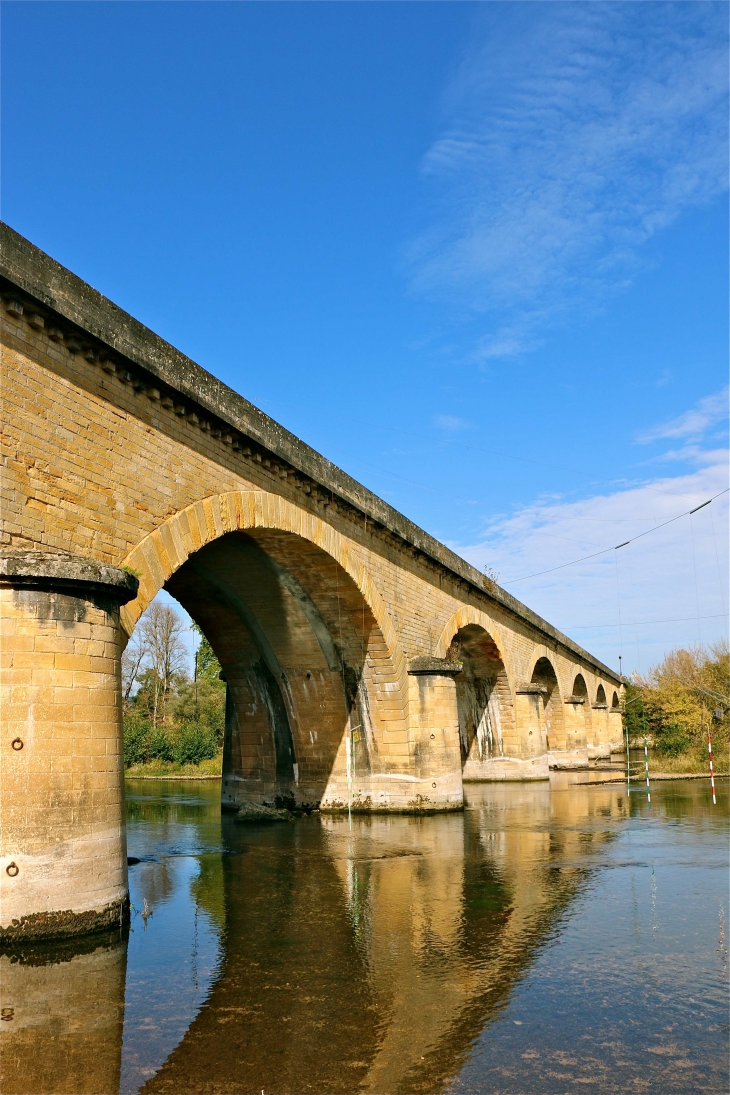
255, 812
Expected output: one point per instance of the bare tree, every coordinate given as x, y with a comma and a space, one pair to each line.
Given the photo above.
160, 630
133, 658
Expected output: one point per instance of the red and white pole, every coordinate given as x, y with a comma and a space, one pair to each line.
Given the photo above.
712, 774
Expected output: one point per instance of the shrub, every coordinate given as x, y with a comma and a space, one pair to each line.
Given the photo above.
135, 740
672, 741
160, 743
168, 717
194, 743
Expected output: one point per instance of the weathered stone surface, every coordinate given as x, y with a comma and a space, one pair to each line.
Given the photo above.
24, 266
257, 813
31, 569
435, 666
64, 923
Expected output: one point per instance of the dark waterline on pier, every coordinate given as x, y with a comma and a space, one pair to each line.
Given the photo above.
553, 935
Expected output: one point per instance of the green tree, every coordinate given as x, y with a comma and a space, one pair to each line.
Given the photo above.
207, 666
167, 715
680, 699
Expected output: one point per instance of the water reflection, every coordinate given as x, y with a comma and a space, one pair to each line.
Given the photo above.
397, 954
174, 954
62, 1011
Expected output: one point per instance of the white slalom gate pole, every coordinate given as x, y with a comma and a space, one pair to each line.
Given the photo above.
712, 774
348, 762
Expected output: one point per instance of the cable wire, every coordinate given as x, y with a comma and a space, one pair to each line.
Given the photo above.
639, 536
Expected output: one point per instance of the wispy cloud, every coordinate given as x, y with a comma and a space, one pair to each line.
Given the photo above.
571, 138
640, 600
615, 602
450, 423
693, 424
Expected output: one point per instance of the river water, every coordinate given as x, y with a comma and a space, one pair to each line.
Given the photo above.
555, 937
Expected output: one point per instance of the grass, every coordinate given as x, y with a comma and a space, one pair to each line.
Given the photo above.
162, 768
694, 762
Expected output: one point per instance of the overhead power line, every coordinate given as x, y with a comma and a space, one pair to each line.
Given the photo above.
616, 547
644, 623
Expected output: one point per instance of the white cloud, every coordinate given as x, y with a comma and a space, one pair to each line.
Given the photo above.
450, 423
654, 576
572, 137
693, 424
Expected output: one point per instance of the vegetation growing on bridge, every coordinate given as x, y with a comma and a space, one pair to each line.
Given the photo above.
676, 703
171, 718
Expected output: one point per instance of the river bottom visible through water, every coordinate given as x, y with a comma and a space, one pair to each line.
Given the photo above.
552, 938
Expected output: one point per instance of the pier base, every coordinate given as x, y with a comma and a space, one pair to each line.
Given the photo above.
63, 858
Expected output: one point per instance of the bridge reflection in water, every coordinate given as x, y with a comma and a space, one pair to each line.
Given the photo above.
316, 956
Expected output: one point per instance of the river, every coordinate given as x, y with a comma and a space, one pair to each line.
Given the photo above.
553, 937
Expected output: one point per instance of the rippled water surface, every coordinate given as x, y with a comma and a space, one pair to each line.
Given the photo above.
552, 938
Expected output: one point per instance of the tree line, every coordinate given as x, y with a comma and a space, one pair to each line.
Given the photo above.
168, 714
678, 701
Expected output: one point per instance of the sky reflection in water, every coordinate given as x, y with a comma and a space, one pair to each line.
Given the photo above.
551, 937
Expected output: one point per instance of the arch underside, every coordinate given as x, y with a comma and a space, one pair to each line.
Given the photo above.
509, 731
307, 666
484, 701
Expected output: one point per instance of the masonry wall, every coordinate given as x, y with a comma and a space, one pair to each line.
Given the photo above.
96, 466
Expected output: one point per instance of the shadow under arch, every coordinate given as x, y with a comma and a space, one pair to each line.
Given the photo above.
551, 707
578, 715
484, 698
299, 629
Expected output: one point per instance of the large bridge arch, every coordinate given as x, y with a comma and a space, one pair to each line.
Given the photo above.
307, 646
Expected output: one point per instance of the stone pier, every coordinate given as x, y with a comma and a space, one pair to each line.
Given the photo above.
63, 858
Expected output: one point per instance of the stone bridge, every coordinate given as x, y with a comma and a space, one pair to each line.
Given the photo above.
367, 666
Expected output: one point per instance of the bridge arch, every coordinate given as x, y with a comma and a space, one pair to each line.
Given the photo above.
601, 695
580, 688
484, 698
577, 715
553, 716
307, 646
464, 616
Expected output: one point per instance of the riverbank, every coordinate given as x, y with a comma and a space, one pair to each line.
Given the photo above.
639, 780
207, 769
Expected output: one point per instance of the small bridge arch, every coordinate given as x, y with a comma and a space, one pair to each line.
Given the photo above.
550, 703
485, 698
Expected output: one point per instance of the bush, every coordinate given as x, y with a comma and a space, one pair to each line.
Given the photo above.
672, 741
135, 740
160, 743
194, 743
208, 711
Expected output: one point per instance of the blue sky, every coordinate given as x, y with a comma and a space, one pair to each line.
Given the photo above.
474, 253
